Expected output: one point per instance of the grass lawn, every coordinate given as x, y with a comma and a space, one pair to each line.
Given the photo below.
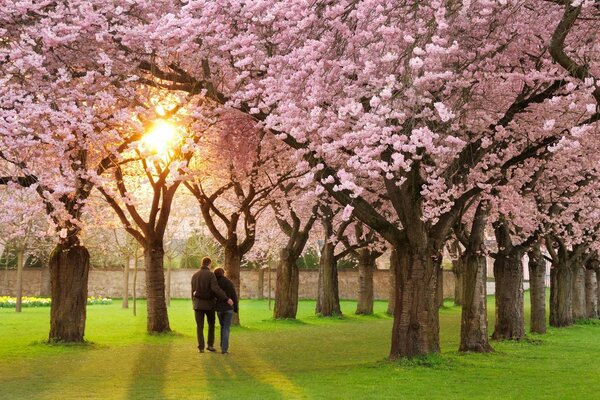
308, 358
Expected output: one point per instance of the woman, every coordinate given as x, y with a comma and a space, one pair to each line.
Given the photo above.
224, 310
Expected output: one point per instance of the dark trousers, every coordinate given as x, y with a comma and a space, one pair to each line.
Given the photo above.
210, 318
225, 318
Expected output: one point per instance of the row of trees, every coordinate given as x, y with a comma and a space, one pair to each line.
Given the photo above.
400, 124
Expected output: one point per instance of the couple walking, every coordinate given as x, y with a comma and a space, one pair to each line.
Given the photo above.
213, 291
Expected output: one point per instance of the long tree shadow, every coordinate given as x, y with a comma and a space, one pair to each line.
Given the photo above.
148, 376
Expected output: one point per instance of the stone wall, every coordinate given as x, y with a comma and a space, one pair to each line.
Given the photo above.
109, 283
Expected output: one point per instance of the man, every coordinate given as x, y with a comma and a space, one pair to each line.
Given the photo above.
204, 290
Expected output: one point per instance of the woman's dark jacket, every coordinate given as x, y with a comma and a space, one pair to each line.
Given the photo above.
227, 287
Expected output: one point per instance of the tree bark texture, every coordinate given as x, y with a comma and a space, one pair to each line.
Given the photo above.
20, 265
508, 275
328, 299
416, 321
473, 325
537, 289
126, 283
591, 294
458, 270
233, 262
158, 318
69, 269
579, 307
366, 266
598, 289
286, 288
393, 267
561, 289
260, 284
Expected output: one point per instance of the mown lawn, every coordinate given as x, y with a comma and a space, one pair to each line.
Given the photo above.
308, 358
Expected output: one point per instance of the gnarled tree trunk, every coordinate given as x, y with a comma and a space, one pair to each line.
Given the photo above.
328, 300
158, 319
537, 289
232, 266
591, 294
393, 267
579, 307
508, 273
286, 289
20, 265
69, 269
473, 325
561, 286
126, 283
366, 266
416, 321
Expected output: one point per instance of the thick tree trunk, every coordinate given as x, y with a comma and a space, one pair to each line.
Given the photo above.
20, 265
126, 283
260, 284
158, 318
416, 321
459, 270
134, 283
561, 289
393, 267
591, 294
508, 273
286, 288
366, 266
233, 262
579, 308
537, 289
473, 325
69, 269
328, 299
598, 289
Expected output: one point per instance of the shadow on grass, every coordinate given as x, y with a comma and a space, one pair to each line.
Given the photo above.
148, 377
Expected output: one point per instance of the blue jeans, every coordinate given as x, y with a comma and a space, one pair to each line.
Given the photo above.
225, 318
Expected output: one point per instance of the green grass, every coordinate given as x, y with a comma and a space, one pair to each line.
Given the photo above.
341, 358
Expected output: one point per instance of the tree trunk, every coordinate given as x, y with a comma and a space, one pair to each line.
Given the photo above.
20, 265
579, 308
233, 262
366, 266
537, 289
328, 300
416, 321
158, 318
393, 267
598, 289
473, 324
260, 285
591, 294
126, 283
561, 312
508, 273
286, 288
134, 283
69, 269
168, 285
459, 270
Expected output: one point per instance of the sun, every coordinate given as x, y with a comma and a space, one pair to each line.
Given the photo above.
160, 137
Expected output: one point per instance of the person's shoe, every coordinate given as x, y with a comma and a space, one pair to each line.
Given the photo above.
200, 351
224, 352
210, 348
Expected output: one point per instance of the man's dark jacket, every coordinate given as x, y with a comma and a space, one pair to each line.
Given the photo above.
229, 290
204, 283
